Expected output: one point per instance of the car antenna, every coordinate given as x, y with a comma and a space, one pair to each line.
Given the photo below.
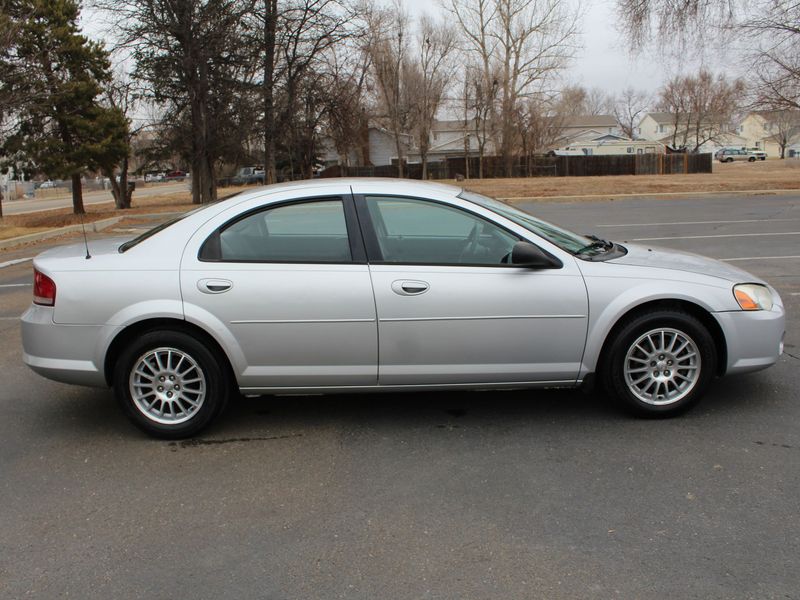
85, 239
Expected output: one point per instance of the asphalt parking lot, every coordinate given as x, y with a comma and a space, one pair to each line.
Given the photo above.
553, 494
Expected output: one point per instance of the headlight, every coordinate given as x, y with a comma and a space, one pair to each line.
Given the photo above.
752, 296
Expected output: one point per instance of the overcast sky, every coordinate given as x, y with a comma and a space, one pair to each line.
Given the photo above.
604, 61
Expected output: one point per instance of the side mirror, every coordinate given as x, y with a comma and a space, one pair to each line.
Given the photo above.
525, 254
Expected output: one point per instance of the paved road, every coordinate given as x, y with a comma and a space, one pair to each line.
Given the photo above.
18, 207
485, 495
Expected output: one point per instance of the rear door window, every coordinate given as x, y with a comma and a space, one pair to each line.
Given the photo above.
306, 232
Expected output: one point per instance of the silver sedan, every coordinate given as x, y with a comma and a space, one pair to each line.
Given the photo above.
373, 285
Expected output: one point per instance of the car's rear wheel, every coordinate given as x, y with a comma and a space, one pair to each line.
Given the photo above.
170, 384
751, 159
660, 363
729, 160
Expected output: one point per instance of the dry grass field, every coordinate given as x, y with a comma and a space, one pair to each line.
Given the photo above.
16, 225
733, 177
729, 177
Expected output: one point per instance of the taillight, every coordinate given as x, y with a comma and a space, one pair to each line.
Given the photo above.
44, 289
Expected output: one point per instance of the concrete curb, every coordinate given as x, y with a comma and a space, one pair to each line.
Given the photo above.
51, 233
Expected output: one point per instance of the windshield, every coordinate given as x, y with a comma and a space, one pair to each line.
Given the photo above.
564, 239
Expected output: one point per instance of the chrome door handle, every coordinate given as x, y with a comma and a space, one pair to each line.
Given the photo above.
410, 288
214, 286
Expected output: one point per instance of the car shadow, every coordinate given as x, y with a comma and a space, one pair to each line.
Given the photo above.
93, 412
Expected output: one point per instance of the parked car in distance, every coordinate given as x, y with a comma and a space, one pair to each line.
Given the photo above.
369, 285
248, 176
732, 154
47, 185
154, 177
175, 176
759, 154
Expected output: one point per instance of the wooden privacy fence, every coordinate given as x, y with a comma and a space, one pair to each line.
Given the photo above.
541, 166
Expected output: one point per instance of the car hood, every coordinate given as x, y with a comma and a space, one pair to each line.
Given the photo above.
665, 258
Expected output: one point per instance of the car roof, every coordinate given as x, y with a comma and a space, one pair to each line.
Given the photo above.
358, 183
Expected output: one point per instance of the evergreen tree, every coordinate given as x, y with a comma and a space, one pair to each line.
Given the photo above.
54, 75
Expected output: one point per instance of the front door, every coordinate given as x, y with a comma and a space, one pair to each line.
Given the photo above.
451, 310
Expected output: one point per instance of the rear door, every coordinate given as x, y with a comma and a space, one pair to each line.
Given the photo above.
287, 285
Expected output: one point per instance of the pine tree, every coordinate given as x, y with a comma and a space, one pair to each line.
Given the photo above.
55, 74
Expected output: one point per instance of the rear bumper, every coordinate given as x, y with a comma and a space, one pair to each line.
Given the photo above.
66, 353
754, 338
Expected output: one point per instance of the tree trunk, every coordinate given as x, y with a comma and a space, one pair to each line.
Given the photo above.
119, 189
270, 130
127, 194
423, 151
466, 154
77, 195
399, 147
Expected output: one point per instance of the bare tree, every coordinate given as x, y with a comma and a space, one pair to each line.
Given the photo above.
776, 35
702, 107
436, 42
770, 29
388, 49
547, 115
535, 40
783, 127
485, 99
121, 94
629, 108
673, 99
348, 114
578, 100
681, 22
307, 29
519, 44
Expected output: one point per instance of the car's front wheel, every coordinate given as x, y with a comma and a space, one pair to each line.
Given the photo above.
660, 363
751, 159
170, 384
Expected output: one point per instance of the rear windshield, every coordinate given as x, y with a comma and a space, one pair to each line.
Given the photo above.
161, 227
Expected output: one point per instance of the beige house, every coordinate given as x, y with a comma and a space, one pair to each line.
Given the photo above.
767, 129
451, 138
661, 127
579, 128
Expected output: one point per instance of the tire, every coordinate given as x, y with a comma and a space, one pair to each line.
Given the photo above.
729, 160
660, 363
170, 385
751, 159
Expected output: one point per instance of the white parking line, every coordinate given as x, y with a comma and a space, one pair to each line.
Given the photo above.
722, 235
759, 258
5, 285
16, 261
697, 222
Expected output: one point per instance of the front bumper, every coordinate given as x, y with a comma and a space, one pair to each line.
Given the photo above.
754, 338
66, 353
